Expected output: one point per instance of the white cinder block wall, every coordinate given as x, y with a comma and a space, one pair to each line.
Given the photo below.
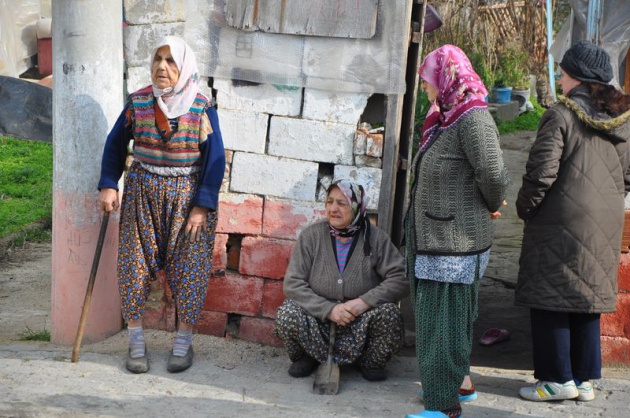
283, 145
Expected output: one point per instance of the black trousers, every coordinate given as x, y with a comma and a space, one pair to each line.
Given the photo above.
566, 346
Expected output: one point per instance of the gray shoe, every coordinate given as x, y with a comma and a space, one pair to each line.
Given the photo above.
179, 364
138, 365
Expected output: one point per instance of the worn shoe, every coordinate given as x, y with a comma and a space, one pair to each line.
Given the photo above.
549, 391
178, 364
373, 374
586, 392
303, 367
463, 395
137, 365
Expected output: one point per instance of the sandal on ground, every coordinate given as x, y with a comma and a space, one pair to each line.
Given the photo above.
494, 336
137, 365
178, 364
304, 366
455, 412
463, 395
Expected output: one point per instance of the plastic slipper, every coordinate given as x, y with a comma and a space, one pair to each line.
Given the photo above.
493, 336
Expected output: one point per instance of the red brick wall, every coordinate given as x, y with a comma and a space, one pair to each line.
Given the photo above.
616, 327
245, 289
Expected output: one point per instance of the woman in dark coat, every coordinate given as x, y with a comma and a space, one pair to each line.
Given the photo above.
572, 202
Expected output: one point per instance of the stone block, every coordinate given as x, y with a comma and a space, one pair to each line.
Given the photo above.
617, 324
240, 214
273, 296
259, 330
140, 40
243, 131
615, 351
147, 12
261, 98
287, 218
235, 293
219, 258
137, 78
368, 177
265, 257
374, 145
225, 183
334, 106
311, 140
273, 176
360, 142
504, 111
211, 323
366, 161
229, 155
623, 274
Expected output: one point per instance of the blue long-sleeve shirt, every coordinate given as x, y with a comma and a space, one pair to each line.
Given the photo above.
212, 159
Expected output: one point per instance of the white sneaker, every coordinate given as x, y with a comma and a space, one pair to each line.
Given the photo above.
586, 392
549, 391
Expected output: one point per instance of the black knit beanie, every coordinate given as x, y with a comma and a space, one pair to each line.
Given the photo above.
587, 62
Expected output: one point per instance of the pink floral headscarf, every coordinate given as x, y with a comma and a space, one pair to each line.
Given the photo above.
459, 89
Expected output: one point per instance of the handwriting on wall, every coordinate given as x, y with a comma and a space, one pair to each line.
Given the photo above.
331, 18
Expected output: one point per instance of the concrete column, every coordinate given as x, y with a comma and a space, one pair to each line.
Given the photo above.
87, 99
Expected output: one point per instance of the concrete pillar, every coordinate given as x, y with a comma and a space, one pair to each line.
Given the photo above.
87, 99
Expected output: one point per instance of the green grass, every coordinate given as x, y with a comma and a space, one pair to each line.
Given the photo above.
30, 335
528, 121
26, 170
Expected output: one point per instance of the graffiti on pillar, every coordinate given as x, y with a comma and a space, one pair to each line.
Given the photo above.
331, 18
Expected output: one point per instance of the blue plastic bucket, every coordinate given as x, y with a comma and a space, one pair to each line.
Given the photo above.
502, 94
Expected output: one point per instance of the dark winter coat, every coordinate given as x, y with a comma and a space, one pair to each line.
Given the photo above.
572, 201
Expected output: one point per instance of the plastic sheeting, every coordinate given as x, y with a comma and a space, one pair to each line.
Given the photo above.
18, 38
614, 31
25, 109
375, 65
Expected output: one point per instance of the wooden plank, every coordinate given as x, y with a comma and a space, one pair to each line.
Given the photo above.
391, 161
330, 18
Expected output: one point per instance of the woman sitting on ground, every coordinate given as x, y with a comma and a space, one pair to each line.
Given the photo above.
347, 271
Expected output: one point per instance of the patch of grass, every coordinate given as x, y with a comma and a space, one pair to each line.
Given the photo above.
30, 335
528, 121
26, 170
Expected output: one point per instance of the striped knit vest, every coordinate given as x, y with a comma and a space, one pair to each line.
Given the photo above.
154, 147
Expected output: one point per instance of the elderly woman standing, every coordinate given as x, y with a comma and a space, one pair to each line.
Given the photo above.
459, 183
170, 201
347, 271
572, 201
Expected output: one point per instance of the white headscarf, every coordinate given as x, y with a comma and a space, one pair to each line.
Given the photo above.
176, 101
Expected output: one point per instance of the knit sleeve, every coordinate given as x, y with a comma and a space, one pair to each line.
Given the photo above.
116, 150
480, 141
212, 164
297, 277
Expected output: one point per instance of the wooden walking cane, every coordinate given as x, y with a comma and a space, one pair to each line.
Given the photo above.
90, 287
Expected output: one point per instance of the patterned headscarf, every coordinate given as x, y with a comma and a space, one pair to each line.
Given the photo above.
358, 202
459, 89
176, 101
